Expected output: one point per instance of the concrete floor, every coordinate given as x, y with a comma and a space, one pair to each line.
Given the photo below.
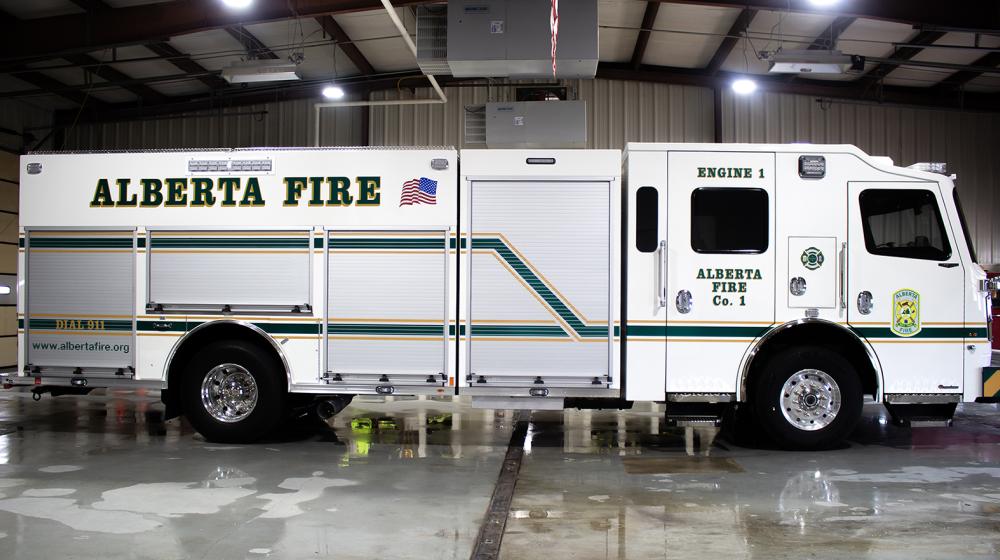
104, 477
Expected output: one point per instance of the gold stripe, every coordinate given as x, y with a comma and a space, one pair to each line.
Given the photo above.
80, 315
81, 251
353, 337
517, 277
79, 233
234, 252
992, 385
374, 320
434, 234
89, 333
391, 251
534, 269
919, 341
207, 233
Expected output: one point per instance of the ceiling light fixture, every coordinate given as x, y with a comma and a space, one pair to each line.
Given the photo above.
823, 3
333, 92
237, 4
260, 71
744, 86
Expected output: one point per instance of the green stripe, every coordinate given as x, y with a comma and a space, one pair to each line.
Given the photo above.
81, 242
695, 331
387, 329
927, 332
229, 243
386, 243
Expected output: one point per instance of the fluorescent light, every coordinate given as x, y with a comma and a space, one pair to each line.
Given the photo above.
4, 290
333, 92
823, 3
260, 71
814, 62
744, 86
238, 4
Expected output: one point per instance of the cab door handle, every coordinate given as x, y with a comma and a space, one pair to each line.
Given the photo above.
947, 265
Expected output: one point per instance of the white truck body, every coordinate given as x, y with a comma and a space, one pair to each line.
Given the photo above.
524, 278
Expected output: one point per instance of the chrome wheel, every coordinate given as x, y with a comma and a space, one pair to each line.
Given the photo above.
810, 399
229, 393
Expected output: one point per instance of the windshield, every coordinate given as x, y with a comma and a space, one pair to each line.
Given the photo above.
965, 226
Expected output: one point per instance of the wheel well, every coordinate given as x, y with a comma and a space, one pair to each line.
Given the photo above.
197, 339
827, 335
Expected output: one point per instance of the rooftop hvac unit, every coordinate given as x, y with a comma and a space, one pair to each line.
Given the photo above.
508, 38
527, 124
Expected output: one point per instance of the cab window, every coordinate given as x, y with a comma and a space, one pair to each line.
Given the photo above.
904, 223
727, 220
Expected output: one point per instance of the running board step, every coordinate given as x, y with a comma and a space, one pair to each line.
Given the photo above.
922, 415
696, 414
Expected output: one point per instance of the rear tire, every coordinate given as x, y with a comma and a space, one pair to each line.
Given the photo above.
234, 392
807, 397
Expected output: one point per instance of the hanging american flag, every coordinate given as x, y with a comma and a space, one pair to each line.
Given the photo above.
419, 191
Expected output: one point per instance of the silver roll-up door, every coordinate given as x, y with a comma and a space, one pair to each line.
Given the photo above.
387, 308
80, 306
540, 283
240, 270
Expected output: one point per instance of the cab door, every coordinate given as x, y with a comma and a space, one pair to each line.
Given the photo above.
720, 265
905, 285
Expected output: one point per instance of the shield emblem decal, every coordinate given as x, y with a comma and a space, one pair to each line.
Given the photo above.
906, 312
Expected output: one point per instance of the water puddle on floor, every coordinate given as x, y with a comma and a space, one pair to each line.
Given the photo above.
680, 465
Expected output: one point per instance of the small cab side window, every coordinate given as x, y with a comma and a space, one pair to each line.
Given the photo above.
729, 220
647, 208
903, 223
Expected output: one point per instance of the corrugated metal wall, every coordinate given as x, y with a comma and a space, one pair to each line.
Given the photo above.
966, 141
19, 117
285, 123
617, 112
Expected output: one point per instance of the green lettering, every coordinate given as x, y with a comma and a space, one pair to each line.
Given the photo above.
293, 190
123, 198
701, 274
339, 193
316, 198
176, 192
202, 195
711, 172
251, 195
368, 188
229, 186
152, 192
102, 194
701, 171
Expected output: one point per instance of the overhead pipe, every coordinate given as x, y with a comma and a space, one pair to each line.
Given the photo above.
442, 98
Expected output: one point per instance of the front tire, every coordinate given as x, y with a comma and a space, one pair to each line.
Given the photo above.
807, 398
233, 392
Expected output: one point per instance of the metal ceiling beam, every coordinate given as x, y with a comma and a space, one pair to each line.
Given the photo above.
50, 84
235, 97
335, 31
163, 49
968, 14
254, 46
838, 90
642, 40
73, 33
184, 63
914, 46
739, 27
963, 77
117, 77
828, 39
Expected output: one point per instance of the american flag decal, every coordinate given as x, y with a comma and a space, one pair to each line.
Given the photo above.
419, 191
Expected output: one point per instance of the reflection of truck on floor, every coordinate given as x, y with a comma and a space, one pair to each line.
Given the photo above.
788, 280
